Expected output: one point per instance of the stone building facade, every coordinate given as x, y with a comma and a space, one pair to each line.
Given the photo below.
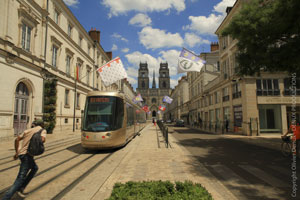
42, 40
153, 96
248, 105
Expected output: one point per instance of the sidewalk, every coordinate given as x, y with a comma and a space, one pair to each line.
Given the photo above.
149, 159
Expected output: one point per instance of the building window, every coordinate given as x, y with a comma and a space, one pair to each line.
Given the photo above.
164, 84
267, 87
288, 90
66, 120
67, 93
97, 79
210, 99
236, 91
153, 100
238, 115
80, 41
143, 84
68, 64
225, 94
54, 55
78, 100
164, 74
88, 72
26, 37
56, 16
89, 50
217, 97
69, 30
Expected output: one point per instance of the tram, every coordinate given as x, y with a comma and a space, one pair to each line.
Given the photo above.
110, 120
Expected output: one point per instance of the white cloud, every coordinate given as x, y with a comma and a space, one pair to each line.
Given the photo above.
221, 7
171, 56
140, 20
156, 38
118, 7
119, 37
208, 25
114, 47
72, 3
204, 25
125, 50
132, 74
192, 40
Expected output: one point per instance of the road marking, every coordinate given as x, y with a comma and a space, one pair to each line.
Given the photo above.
263, 176
281, 170
242, 187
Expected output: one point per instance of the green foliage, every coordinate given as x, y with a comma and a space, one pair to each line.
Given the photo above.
159, 190
268, 34
49, 116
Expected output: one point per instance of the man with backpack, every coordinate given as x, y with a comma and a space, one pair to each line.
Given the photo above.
27, 161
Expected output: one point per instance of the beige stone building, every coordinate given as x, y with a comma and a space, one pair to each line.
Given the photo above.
42, 40
245, 105
180, 95
198, 80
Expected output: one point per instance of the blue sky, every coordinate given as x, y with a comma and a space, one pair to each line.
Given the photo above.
151, 31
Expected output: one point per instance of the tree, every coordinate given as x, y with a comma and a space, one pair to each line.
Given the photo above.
268, 36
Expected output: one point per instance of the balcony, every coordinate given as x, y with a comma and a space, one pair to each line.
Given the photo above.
236, 95
274, 92
225, 98
289, 92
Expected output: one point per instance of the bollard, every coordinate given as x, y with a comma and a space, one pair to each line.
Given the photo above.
167, 137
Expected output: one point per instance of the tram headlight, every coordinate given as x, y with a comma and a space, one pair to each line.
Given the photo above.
108, 134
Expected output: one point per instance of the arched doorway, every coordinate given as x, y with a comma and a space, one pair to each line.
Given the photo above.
153, 113
21, 108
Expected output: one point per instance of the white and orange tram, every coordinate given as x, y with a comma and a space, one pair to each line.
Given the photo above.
110, 120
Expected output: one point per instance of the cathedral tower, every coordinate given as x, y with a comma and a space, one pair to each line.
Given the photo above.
164, 77
143, 77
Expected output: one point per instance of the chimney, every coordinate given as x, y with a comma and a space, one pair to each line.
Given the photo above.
95, 35
109, 54
214, 46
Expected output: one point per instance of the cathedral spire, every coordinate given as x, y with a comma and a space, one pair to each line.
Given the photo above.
153, 82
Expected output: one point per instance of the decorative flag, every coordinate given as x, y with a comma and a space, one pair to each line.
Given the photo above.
112, 71
145, 108
162, 107
167, 99
189, 62
76, 73
138, 98
158, 112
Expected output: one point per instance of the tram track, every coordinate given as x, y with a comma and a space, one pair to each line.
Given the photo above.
44, 155
46, 148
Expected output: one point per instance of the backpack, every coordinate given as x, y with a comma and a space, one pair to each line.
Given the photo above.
36, 145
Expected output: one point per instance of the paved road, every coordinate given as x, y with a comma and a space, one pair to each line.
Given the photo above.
248, 170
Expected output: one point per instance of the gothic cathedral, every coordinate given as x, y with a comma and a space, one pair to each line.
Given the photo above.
153, 96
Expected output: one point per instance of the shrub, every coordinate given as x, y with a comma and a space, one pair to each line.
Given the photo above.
159, 190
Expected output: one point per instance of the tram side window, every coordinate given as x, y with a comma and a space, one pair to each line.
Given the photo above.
119, 116
130, 116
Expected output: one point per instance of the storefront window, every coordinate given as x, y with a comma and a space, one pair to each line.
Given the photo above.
270, 118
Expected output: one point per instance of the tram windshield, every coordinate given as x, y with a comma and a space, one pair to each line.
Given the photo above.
103, 113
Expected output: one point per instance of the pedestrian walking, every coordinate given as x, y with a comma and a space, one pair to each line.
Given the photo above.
153, 121
28, 167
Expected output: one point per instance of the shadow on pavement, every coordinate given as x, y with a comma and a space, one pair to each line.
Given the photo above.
215, 151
